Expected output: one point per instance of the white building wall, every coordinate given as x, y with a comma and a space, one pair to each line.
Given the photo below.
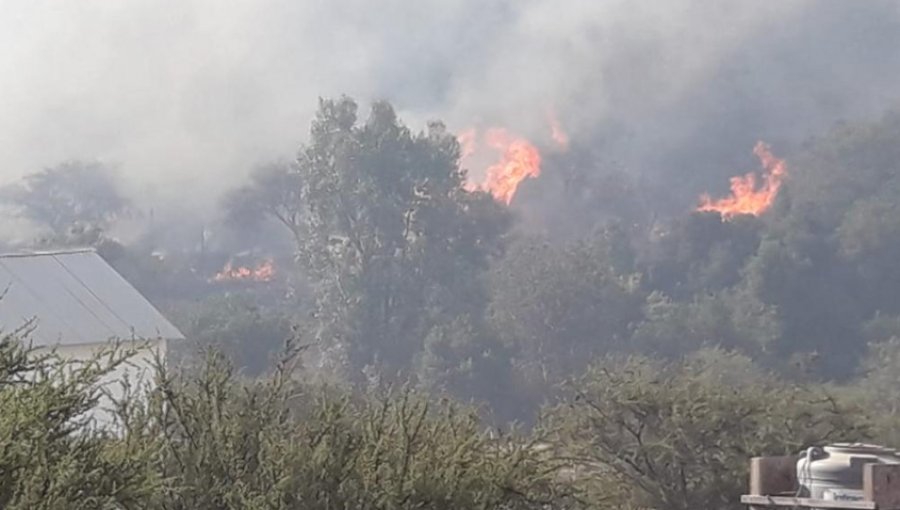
138, 370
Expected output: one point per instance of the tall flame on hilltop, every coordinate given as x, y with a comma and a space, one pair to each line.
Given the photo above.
519, 161
519, 158
745, 197
261, 273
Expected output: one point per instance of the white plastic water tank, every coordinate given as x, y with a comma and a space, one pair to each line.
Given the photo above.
835, 472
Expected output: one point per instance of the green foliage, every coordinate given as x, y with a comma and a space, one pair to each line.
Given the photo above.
394, 245
413, 279
854, 161
215, 440
556, 307
732, 319
881, 327
868, 241
827, 261
678, 436
50, 455
464, 360
633, 432
878, 388
238, 326
279, 444
699, 253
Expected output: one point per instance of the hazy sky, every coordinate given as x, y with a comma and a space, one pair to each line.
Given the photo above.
188, 95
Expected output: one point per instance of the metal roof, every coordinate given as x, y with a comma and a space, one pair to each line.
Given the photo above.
75, 297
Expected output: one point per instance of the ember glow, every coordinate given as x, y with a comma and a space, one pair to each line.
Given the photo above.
745, 197
261, 273
519, 160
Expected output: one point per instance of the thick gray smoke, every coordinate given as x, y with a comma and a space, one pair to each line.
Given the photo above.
188, 95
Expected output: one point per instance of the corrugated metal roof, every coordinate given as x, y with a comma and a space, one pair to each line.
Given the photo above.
75, 298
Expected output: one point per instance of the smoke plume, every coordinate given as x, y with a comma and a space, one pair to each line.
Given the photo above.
186, 96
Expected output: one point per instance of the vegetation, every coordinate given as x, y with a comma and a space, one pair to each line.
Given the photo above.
214, 441
648, 354
51, 457
632, 432
679, 436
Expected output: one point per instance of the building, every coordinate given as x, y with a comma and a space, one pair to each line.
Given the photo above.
79, 304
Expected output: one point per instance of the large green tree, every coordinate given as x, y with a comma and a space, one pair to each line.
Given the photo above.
392, 242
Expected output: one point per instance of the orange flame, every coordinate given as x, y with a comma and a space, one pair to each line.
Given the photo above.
519, 160
745, 197
261, 273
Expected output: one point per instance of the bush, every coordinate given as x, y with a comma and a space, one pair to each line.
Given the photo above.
239, 326
50, 456
216, 441
279, 444
680, 436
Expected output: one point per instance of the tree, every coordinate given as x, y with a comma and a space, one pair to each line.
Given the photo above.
580, 191
869, 239
394, 245
466, 360
854, 161
730, 319
556, 307
679, 436
878, 385
274, 193
826, 262
801, 278
700, 253
251, 335
75, 200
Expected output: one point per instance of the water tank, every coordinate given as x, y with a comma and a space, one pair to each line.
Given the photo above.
835, 472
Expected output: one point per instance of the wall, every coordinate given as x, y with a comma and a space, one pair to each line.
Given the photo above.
138, 371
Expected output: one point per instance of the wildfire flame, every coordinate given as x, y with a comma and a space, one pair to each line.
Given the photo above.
261, 273
519, 160
745, 197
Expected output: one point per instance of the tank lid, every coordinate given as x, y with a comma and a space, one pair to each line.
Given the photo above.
859, 448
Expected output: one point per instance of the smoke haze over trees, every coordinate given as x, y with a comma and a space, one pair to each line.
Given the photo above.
277, 174
188, 96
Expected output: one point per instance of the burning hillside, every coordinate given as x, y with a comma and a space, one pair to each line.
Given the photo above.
745, 197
